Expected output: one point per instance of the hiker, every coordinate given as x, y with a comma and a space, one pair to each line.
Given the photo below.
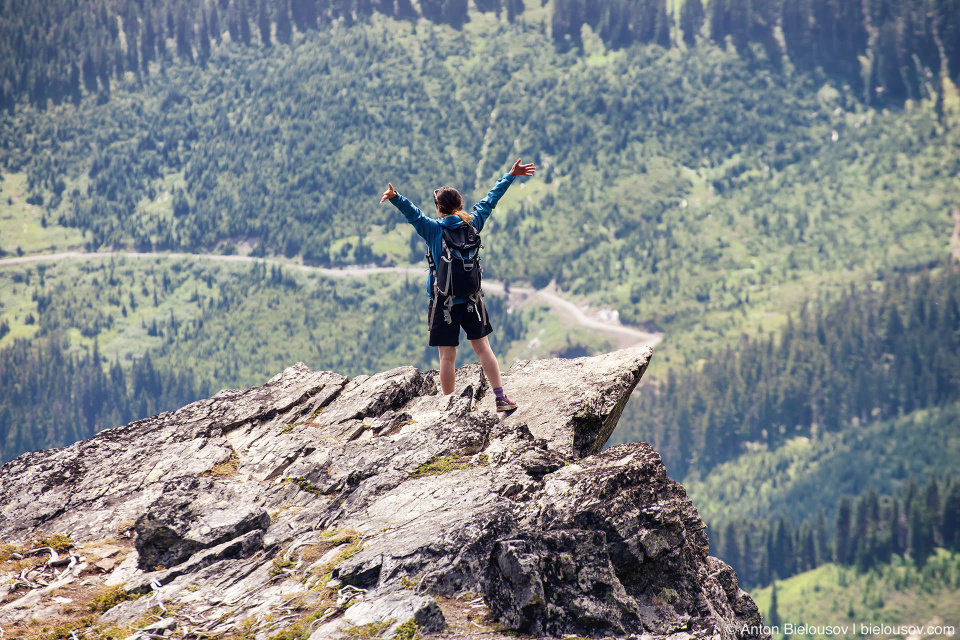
456, 300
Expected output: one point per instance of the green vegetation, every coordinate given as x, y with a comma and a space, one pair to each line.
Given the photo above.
889, 51
767, 182
684, 188
303, 484
407, 631
26, 228
866, 533
51, 397
804, 475
886, 358
895, 594
57, 541
451, 462
225, 468
871, 355
111, 598
370, 630
233, 323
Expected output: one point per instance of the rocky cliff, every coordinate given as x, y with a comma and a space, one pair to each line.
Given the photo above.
318, 506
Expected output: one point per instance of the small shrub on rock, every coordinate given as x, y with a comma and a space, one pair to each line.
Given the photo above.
111, 598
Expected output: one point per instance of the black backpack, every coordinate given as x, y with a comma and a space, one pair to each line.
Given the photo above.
459, 273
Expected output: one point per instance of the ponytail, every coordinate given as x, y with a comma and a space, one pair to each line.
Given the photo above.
463, 215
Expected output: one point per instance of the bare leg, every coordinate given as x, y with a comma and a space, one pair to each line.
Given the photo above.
448, 369
491, 368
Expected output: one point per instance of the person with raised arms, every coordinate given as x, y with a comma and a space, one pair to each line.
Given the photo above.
454, 281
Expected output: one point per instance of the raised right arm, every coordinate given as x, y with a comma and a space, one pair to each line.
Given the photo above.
426, 228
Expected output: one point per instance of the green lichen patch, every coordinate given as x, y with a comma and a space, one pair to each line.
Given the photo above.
445, 464
304, 485
669, 595
407, 631
369, 631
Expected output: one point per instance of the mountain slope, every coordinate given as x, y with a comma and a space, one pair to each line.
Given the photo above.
672, 182
896, 595
803, 476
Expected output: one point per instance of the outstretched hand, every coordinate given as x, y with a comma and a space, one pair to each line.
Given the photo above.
522, 169
389, 194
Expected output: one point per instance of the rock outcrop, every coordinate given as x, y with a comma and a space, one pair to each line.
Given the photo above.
340, 507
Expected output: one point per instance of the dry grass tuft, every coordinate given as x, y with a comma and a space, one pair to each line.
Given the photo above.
225, 468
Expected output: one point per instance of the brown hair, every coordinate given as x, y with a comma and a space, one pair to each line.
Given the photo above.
450, 203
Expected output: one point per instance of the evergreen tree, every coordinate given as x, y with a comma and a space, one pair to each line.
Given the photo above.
932, 498
691, 20
161, 41
806, 548
746, 571
514, 9
203, 53
822, 539
243, 18
233, 22
730, 551
783, 554
89, 72
842, 531
184, 31
773, 616
304, 13
214, 22
75, 93
284, 25
148, 43
263, 22
950, 518
898, 543
921, 533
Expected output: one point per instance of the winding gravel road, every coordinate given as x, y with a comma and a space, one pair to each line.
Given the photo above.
568, 311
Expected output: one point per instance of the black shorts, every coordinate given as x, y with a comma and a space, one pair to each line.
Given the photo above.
475, 322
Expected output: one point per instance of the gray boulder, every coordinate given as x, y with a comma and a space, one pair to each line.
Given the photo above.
191, 514
344, 506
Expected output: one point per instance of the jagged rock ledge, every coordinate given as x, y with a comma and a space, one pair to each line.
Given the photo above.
338, 507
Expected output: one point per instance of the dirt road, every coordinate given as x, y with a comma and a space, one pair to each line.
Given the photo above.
569, 311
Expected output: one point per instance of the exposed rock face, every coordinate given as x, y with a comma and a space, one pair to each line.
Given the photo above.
315, 491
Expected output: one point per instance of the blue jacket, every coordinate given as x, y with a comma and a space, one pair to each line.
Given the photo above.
431, 230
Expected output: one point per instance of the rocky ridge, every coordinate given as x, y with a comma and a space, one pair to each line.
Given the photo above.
325, 507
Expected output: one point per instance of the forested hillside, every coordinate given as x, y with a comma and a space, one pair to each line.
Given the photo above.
899, 594
52, 397
870, 355
57, 51
672, 182
804, 475
864, 533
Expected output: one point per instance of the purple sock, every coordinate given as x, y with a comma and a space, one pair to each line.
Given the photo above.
498, 391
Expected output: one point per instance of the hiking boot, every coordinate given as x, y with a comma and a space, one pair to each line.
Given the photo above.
505, 405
